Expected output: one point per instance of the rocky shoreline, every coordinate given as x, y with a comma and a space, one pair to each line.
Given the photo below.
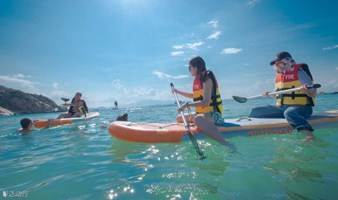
14, 101
5, 112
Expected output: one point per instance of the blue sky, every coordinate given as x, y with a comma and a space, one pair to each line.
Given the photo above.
129, 50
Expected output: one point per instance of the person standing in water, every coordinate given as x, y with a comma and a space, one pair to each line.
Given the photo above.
116, 105
206, 100
295, 107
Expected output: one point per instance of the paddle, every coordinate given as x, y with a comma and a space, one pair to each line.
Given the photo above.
245, 99
187, 127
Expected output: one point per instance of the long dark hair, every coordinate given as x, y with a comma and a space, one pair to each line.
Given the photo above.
202, 71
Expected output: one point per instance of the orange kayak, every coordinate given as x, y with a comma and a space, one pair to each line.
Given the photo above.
175, 132
46, 123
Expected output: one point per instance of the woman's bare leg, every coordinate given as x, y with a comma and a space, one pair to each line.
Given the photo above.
208, 127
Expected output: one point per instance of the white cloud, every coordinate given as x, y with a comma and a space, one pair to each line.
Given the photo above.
215, 35
21, 76
19, 81
300, 27
231, 51
55, 85
56, 93
178, 46
193, 46
128, 95
253, 3
330, 47
177, 53
163, 75
213, 23
118, 85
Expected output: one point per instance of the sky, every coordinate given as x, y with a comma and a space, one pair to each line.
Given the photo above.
130, 50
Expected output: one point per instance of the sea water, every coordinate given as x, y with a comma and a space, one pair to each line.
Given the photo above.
83, 161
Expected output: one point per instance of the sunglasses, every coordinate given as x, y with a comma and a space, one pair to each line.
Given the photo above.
280, 64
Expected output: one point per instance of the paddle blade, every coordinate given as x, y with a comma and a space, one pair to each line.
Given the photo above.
240, 99
316, 86
195, 144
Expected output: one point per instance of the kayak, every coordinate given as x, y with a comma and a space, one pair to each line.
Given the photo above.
45, 123
244, 126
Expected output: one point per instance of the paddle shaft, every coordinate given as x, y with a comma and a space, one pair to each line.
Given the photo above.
284, 91
187, 127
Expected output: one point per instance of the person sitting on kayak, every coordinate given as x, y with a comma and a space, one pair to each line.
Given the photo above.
78, 107
207, 100
295, 107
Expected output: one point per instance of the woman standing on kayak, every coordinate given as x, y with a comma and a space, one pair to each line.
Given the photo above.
207, 100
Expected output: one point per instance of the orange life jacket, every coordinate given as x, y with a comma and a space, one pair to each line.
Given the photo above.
216, 104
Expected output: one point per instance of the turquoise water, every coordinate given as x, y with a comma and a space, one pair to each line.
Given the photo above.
84, 162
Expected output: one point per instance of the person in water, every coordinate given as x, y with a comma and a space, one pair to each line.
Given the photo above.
206, 100
116, 105
295, 107
78, 107
26, 125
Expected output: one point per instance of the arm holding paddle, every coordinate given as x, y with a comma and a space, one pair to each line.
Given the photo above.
205, 101
306, 87
185, 94
309, 90
187, 126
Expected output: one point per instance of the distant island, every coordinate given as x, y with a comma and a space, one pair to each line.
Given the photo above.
325, 93
14, 101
